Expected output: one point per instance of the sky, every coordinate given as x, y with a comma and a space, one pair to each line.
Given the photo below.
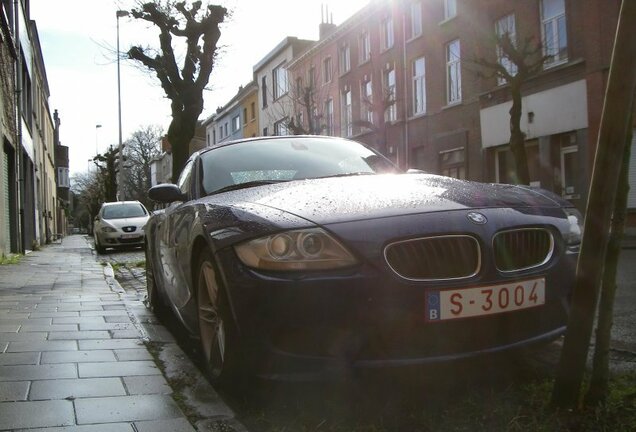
79, 40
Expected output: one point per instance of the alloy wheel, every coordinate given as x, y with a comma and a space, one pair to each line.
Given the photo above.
211, 324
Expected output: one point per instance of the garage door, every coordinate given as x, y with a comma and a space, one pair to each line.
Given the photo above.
6, 212
631, 198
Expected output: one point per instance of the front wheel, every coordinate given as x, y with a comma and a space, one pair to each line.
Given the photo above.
98, 247
153, 300
219, 339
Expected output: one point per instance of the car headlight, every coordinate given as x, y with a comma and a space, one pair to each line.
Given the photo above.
108, 229
304, 249
575, 230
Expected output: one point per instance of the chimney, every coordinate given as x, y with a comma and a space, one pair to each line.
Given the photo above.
326, 26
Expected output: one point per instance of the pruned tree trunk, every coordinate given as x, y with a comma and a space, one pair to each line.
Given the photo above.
517, 137
599, 384
615, 126
184, 87
180, 133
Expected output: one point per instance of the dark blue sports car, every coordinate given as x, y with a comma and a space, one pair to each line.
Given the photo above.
292, 256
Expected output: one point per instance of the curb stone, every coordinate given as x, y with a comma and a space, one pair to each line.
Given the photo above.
200, 402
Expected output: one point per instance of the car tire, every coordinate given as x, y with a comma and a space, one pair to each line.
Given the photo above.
219, 343
98, 247
153, 301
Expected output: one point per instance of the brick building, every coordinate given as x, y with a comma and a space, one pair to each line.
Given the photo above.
404, 77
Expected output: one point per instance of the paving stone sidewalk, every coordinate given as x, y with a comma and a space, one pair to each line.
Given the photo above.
74, 353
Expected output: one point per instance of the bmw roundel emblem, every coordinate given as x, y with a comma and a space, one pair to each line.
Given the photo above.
477, 218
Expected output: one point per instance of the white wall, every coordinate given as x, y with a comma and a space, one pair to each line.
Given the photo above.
560, 109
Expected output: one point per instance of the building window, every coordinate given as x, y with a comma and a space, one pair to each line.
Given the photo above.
345, 58
236, 123
244, 117
265, 131
555, 41
416, 19
453, 73
419, 86
452, 163
450, 9
299, 87
312, 78
280, 127
253, 111
387, 33
280, 81
366, 101
63, 177
264, 91
506, 26
225, 132
365, 47
505, 170
390, 113
347, 113
326, 66
329, 117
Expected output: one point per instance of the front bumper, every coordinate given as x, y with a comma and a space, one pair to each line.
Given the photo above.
120, 239
307, 326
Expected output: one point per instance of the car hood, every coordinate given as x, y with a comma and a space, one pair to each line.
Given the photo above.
119, 223
340, 199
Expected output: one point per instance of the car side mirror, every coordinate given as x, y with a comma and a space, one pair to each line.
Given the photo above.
166, 193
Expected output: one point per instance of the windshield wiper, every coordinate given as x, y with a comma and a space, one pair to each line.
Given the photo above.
349, 174
246, 185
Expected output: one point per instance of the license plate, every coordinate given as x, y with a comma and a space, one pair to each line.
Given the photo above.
486, 300
129, 236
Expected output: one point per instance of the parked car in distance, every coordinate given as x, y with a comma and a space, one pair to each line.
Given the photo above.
292, 257
120, 224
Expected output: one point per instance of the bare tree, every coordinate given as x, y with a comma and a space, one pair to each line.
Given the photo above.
616, 122
88, 189
106, 164
377, 107
516, 64
140, 149
307, 113
198, 26
599, 383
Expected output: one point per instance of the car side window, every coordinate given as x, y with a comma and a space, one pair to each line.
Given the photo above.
185, 178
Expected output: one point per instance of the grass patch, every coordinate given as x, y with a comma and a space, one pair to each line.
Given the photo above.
10, 259
520, 405
124, 265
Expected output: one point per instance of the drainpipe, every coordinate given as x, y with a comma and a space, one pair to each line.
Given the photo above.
406, 93
18, 154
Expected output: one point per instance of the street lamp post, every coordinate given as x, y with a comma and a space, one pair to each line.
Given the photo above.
97, 126
120, 192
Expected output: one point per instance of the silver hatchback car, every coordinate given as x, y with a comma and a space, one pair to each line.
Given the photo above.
120, 224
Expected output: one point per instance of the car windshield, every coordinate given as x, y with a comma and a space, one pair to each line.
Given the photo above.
251, 163
121, 211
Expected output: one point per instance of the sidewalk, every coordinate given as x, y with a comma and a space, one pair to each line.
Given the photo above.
74, 353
